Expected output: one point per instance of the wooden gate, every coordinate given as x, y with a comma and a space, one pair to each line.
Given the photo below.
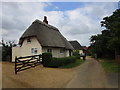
23, 63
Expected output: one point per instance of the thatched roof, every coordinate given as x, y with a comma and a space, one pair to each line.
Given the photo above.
46, 34
76, 45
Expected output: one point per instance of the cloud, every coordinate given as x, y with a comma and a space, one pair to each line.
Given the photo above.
16, 17
77, 24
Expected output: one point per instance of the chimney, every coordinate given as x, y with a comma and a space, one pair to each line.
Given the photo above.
45, 20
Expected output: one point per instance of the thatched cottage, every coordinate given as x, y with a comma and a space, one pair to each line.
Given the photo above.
77, 47
41, 37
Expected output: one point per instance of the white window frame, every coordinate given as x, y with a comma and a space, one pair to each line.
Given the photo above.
34, 50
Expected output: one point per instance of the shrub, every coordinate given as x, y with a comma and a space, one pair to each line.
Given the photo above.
57, 62
46, 58
76, 54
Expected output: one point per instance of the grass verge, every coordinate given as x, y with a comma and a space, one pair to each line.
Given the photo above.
71, 65
110, 65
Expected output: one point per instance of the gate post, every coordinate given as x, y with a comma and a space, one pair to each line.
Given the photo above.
15, 64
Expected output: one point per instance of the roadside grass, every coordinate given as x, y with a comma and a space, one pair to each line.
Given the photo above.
71, 65
110, 65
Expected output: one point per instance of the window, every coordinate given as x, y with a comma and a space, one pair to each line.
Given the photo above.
62, 50
49, 50
34, 50
28, 40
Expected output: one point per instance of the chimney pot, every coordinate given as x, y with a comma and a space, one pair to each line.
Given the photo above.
45, 20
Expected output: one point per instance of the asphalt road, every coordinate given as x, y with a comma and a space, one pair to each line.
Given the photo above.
90, 75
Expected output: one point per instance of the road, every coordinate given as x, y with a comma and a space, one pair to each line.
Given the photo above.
90, 75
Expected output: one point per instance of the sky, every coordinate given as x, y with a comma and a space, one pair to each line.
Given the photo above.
75, 20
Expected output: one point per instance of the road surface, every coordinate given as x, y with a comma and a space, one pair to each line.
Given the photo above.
90, 75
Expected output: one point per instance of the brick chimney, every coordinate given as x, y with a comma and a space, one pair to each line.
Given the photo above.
45, 20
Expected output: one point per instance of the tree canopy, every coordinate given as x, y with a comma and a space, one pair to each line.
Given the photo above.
7, 50
105, 44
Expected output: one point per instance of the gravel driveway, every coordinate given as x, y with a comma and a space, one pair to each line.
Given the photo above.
38, 77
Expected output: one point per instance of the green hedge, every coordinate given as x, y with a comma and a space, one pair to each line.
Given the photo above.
76, 54
46, 58
57, 62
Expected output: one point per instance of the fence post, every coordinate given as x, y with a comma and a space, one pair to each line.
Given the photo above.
39, 58
15, 65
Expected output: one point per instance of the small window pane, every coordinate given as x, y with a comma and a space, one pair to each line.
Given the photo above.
28, 40
49, 50
61, 50
34, 50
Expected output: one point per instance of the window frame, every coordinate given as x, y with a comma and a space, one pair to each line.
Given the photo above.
28, 40
49, 50
34, 51
62, 51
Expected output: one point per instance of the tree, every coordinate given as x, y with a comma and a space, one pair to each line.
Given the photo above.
99, 46
106, 43
112, 24
7, 50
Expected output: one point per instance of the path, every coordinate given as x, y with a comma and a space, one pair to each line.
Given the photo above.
89, 75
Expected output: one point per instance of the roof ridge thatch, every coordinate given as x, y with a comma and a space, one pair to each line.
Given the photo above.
47, 25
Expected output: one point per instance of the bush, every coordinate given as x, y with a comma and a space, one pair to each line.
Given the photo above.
76, 54
57, 62
46, 58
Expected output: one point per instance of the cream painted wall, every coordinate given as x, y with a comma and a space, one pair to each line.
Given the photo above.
15, 52
25, 49
66, 53
56, 52
80, 51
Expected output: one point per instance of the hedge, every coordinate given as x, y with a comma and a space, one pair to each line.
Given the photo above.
57, 62
46, 58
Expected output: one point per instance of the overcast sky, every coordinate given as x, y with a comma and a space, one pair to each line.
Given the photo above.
75, 20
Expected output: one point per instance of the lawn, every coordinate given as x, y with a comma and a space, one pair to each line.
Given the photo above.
71, 65
110, 65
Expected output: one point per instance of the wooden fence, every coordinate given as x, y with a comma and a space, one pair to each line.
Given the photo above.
23, 63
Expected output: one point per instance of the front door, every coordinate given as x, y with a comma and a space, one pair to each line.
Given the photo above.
70, 53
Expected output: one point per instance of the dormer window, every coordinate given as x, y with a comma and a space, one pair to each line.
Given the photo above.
28, 40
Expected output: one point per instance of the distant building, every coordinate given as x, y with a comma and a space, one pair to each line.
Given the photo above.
85, 48
76, 45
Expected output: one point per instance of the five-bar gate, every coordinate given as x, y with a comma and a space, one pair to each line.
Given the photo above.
23, 63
